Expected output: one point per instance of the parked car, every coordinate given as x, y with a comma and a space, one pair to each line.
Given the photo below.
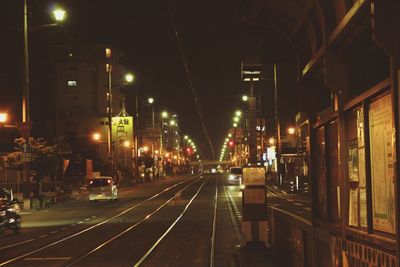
102, 188
10, 217
235, 176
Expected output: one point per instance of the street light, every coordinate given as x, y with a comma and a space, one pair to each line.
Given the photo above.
164, 114
291, 130
150, 100
26, 122
235, 124
129, 77
3, 117
96, 136
236, 119
59, 14
245, 98
238, 113
172, 122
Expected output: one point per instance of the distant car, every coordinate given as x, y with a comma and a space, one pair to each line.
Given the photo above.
235, 176
102, 188
10, 217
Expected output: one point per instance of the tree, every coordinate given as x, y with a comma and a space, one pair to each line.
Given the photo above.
45, 158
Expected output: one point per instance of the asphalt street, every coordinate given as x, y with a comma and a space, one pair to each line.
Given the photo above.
191, 220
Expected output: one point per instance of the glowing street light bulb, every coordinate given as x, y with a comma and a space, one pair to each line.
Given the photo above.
96, 136
164, 114
235, 125
150, 100
186, 137
236, 119
59, 14
291, 130
245, 98
3, 117
229, 135
238, 113
127, 144
172, 122
129, 77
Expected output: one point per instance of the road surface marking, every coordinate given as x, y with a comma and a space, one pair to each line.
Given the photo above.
54, 232
47, 259
73, 225
17, 244
80, 222
63, 229
42, 236
33, 212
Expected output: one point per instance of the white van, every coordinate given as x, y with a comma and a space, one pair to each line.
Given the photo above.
102, 188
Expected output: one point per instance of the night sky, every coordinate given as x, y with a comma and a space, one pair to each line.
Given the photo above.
215, 42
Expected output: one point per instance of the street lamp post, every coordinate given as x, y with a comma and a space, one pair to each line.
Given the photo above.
110, 160
26, 124
151, 102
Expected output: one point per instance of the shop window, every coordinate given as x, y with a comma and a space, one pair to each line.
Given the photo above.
321, 173
357, 216
382, 164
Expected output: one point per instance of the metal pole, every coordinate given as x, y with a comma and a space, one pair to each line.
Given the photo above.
109, 117
25, 84
25, 98
136, 135
277, 123
152, 144
252, 124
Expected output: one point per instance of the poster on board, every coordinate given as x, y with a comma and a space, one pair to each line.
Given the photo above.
382, 169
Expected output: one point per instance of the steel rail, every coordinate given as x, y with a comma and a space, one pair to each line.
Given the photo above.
170, 227
149, 215
212, 249
96, 225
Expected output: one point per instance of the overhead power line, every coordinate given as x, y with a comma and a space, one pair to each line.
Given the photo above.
189, 77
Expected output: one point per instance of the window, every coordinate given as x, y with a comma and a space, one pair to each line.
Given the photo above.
72, 83
357, 216
382, 164
333, 172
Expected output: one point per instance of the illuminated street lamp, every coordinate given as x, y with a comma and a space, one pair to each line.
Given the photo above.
3, 117
235, 124
236, 119
59, 14
238, 113
245, 98
291, 130
172, 122
271, 141
164, 114
127, 144
150, 100
129, 77
96, 136
26, 121
186, 137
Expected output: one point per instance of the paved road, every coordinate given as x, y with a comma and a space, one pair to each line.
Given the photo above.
191, 220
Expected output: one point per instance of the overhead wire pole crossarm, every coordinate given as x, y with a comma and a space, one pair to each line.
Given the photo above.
189, 77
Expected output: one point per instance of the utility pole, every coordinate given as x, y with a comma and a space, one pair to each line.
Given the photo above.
110, 159
277, 123
252, 123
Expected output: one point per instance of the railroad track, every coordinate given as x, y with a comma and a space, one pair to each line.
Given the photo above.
29, 253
